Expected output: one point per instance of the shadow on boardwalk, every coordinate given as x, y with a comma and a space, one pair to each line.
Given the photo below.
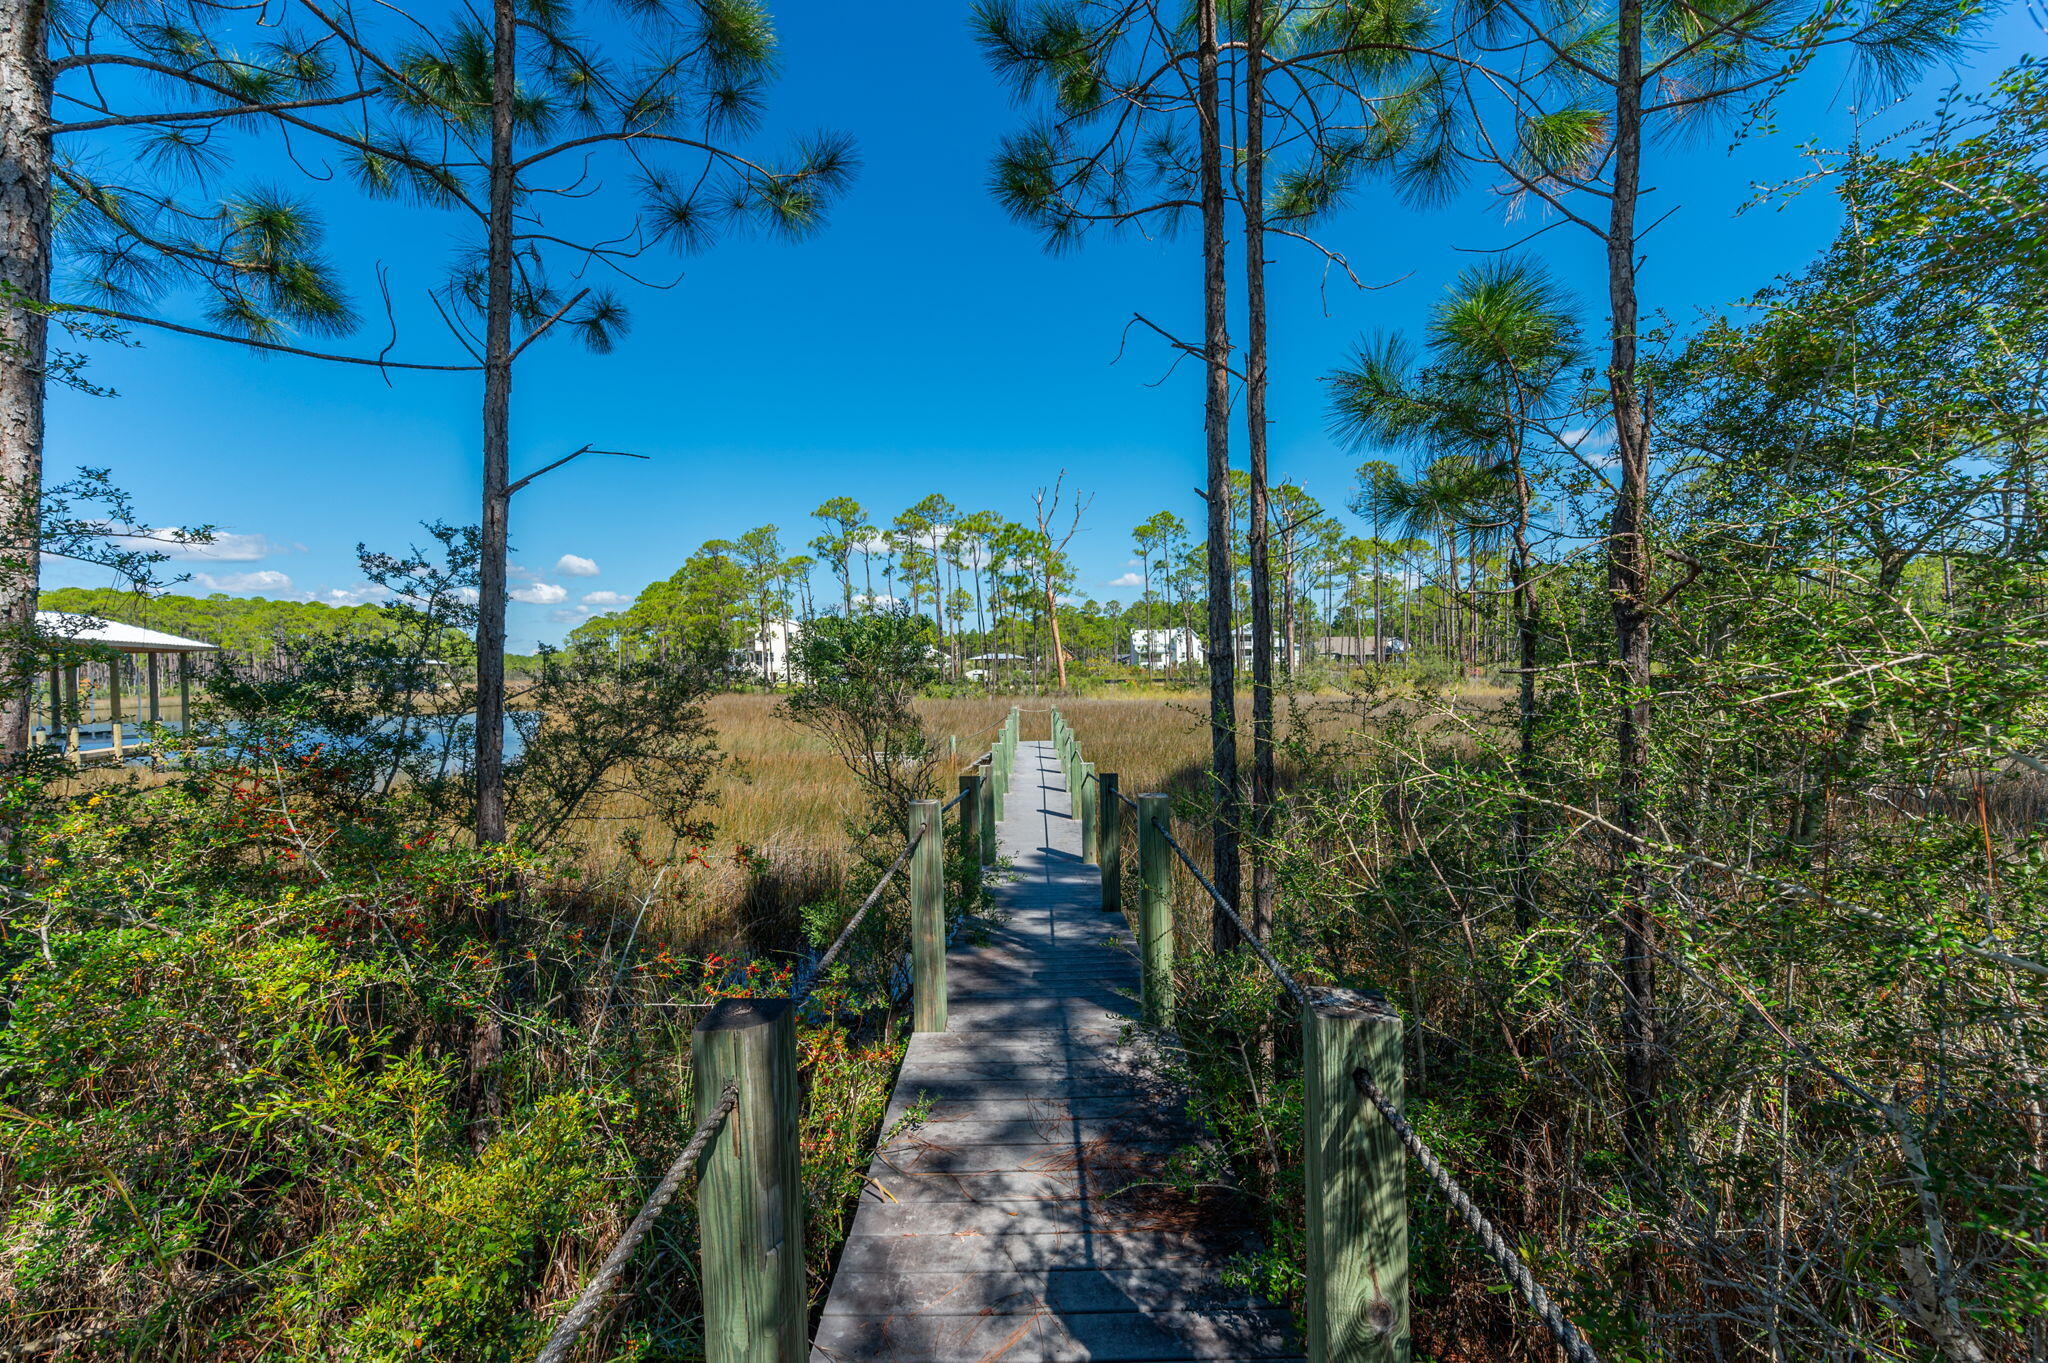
1023, 1218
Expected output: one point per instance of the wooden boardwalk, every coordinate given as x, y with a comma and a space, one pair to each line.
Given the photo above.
1021, 1219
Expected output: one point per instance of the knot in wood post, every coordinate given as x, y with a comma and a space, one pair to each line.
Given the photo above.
1354, 1182
750, 1192
1155, 909
927, 917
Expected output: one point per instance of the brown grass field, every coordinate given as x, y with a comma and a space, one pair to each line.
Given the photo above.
782, 807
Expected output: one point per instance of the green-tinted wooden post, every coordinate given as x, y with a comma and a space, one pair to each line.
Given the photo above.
156, 703
1109, 836
184, 692
1155, 908
927, 918
1355, 1183
970, 831
1089, 811
986, 793
999, 759
750, 1193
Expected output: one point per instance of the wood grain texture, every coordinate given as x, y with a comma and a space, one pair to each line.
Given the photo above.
1355, 1185
928, 916
750, 1192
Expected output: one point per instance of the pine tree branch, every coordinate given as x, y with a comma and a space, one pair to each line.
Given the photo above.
255, 344
231, 111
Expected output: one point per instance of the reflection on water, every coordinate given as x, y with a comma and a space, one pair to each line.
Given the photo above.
97, 740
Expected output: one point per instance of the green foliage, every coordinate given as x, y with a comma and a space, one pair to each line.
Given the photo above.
247, 625
445, 1264
860, 675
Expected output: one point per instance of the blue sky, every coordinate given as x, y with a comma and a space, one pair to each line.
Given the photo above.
922, 343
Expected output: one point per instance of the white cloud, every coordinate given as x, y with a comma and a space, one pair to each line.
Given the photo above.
876, 600
362, 594
541, 594
223, 548
604, 599
575, 565
1127, 580
262, 580
569, 615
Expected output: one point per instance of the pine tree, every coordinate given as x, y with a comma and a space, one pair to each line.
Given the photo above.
524, 121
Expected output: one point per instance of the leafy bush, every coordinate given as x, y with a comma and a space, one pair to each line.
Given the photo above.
243, 1096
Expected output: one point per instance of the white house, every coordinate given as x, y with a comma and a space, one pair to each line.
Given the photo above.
767, 654
1361, 648
1160, 649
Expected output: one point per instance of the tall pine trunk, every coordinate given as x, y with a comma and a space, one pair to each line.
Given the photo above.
1628, 585
25, 169
1216, 432
487, 1048
1257, 531
490, 634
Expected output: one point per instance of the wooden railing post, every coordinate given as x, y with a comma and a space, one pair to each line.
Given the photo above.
970, 831
985, 796
927, 918
750, 1192
1000, 759
1109, 838
1355, 1183
1155, 908
1089, 813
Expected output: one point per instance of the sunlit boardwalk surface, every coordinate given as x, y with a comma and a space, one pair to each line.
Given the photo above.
1023, 1218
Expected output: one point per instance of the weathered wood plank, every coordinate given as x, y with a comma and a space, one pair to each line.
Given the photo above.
1024, 1215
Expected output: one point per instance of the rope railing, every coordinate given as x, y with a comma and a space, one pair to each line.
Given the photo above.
571, 1325
1340, 1022
1490, 1238
1287, 981
753, 1196
817, 971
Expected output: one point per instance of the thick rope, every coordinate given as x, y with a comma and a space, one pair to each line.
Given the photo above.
1279, 971
1495, 1244
564, 1337
846, 933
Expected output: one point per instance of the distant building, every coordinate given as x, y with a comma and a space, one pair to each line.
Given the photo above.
767, 654
982, 665
1360, 648
1162, 649
1243, 638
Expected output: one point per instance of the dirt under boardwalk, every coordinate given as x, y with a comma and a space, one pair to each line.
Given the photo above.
1022, 1219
